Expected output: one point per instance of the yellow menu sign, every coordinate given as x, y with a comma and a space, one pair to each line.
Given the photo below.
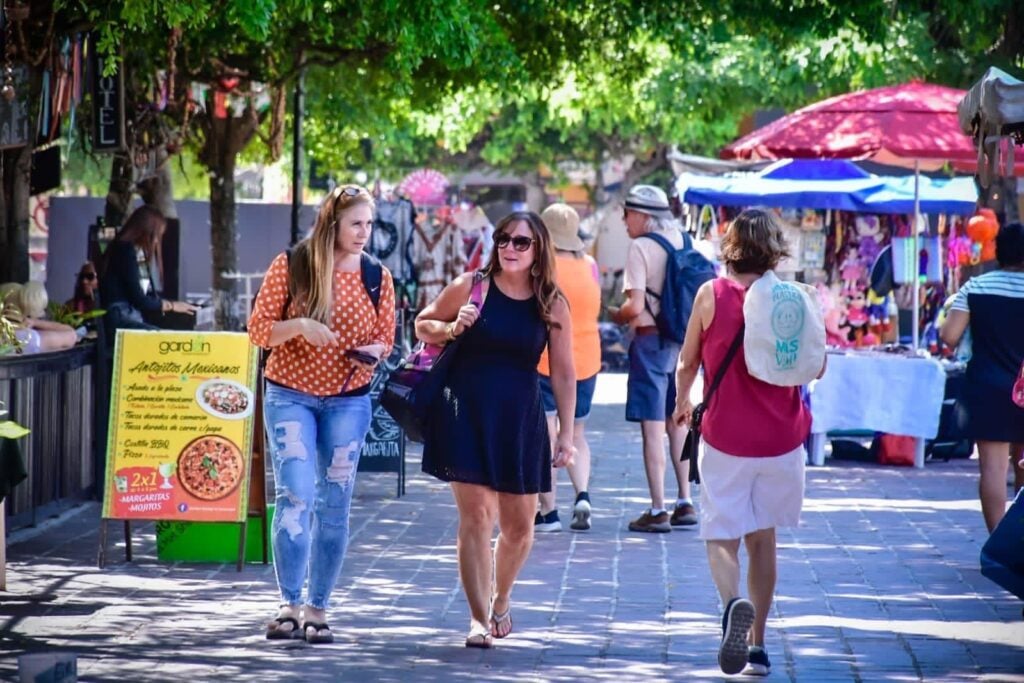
181, 418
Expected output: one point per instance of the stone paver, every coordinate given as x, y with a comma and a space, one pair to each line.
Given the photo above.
880, 583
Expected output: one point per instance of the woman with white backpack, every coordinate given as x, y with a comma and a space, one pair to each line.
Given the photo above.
752, 421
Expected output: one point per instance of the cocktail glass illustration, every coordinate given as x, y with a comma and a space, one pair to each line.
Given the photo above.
166, 469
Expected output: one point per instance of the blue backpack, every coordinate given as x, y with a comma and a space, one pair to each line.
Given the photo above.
685, 271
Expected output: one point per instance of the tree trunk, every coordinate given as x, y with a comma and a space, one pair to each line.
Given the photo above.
15, 165
158, 189
224, 139
222, 240
120, 191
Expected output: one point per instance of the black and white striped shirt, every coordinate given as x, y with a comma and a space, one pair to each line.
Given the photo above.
1005, 283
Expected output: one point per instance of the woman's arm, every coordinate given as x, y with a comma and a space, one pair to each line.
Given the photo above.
266, 327
953, 329
125, 269
448, 316
690, 355
563, 380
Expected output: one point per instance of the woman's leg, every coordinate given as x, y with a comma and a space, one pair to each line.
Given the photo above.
515, 519
343, 423
548, 500
993, 459
760, 579
579, 471
291, 433
478, 511
1017, 463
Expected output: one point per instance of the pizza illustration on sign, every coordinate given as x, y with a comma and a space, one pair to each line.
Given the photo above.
210, 467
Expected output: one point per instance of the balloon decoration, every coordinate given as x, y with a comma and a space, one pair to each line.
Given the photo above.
982, 229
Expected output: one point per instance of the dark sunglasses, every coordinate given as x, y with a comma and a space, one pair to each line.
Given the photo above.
87, 276
519, 243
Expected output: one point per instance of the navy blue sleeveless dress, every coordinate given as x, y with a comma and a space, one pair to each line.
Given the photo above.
490, 427
995, 302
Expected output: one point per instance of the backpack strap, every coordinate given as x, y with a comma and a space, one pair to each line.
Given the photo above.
371, 272
726, 362
669, 249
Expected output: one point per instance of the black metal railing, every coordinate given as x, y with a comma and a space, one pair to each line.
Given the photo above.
53, 395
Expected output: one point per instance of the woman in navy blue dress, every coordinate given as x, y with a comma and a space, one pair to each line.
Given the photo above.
488, 436
993, 306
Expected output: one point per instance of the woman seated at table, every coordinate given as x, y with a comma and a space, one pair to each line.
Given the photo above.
992, 305
25, 305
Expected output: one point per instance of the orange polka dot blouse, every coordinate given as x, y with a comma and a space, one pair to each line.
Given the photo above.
299, 365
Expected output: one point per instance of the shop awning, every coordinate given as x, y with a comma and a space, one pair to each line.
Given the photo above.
828, 184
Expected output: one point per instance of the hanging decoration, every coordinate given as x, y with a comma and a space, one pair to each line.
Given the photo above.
425, 187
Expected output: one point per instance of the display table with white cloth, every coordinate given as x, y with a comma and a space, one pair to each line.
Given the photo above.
882, 392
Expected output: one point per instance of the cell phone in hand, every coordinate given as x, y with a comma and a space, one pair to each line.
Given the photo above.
361, 356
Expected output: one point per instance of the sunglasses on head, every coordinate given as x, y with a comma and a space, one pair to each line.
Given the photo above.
519, 243
348, 191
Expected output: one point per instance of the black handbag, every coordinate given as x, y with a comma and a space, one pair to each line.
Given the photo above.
692, 444
417, 384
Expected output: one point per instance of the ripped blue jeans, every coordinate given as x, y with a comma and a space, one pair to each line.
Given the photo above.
314, 443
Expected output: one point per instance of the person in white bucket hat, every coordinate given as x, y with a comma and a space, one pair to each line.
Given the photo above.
651, 387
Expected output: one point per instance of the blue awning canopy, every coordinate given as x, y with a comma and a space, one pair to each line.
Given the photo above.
828, 184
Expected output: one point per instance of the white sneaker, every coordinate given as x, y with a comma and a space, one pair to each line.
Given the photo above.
580, 516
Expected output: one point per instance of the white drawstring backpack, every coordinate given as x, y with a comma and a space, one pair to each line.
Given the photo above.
784, 342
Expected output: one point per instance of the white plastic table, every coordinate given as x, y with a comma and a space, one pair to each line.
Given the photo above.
880, 392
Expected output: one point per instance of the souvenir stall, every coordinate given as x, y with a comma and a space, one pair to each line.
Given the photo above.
844, 226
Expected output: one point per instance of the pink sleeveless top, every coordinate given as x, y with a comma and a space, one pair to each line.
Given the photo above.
746, 417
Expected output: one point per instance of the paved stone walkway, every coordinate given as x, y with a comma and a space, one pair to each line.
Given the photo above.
880, 583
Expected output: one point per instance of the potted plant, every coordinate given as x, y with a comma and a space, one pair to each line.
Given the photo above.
10, 318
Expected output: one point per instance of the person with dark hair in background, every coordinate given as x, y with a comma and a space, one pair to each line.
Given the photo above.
316, 311
992, 307
131, 270
489, 437
752, 454
86, 285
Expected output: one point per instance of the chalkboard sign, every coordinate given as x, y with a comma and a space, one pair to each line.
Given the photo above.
384, 448
14, 117
107, 107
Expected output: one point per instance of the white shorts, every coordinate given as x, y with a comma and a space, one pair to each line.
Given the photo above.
742, 495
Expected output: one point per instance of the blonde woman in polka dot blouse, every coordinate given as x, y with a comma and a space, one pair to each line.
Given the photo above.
317, 403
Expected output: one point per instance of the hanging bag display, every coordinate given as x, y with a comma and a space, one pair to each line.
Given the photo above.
692, 444
417, 383
784, 343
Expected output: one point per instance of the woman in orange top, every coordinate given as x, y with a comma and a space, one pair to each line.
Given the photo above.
327, 336
577, 276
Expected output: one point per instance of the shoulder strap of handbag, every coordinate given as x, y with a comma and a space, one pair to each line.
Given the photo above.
730, 354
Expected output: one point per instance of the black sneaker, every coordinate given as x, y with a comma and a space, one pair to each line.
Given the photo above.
548, 522
757, 662
736, 622
581, 513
